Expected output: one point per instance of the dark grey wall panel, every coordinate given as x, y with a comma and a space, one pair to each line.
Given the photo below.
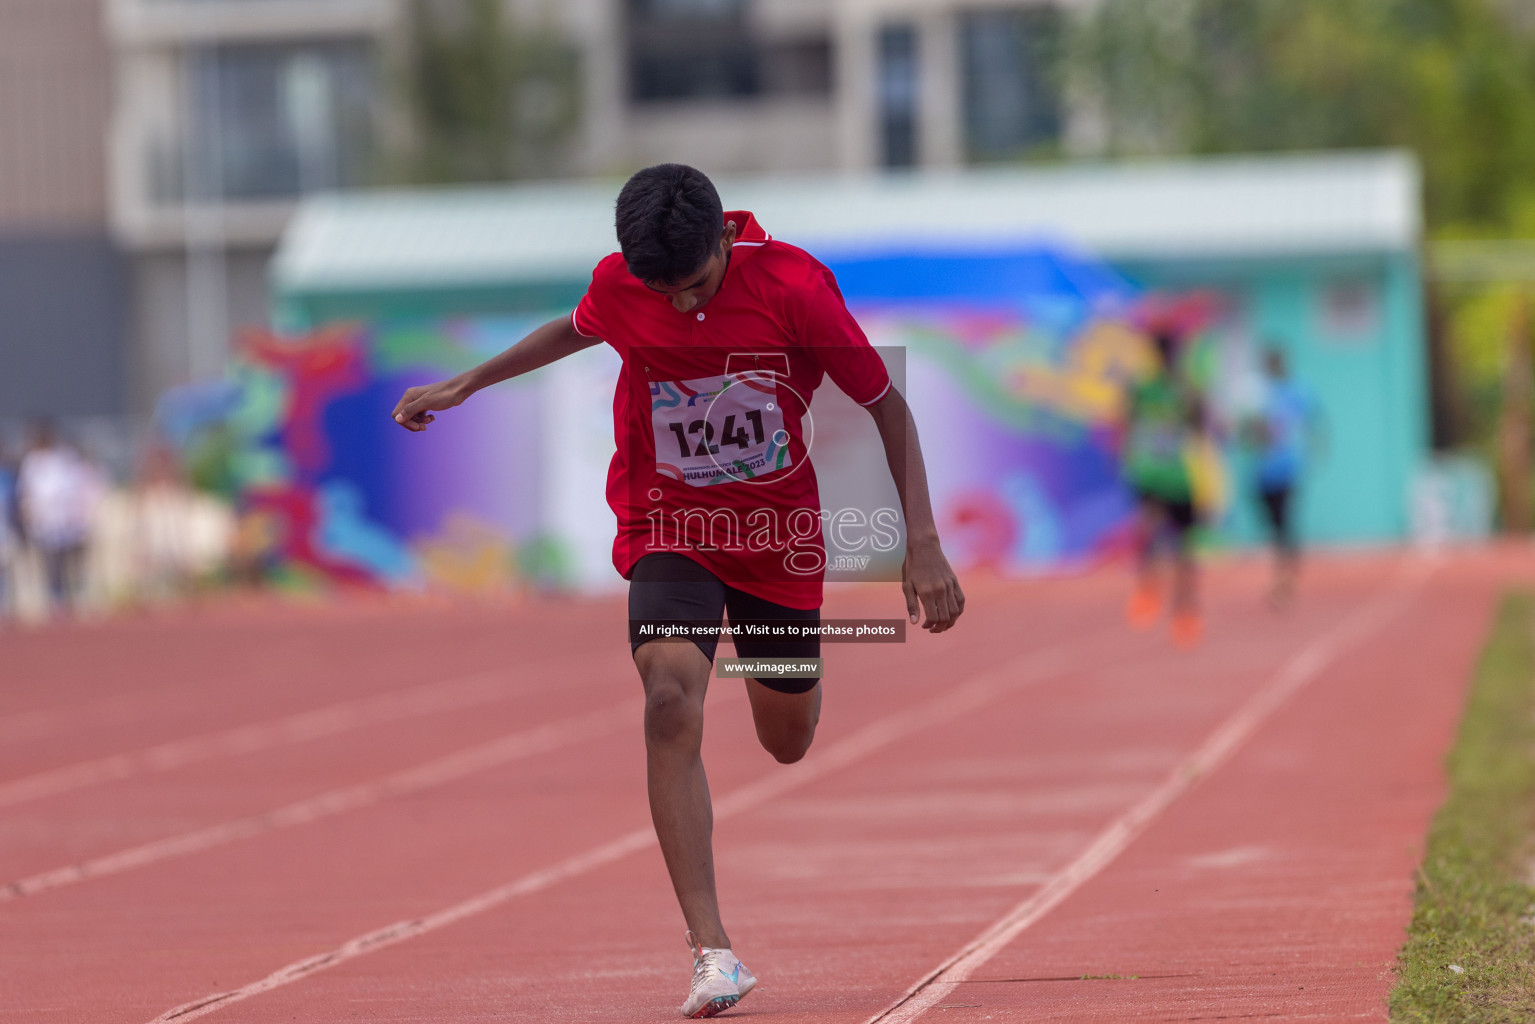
64, 319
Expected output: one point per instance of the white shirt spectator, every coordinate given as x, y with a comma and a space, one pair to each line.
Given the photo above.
58, 491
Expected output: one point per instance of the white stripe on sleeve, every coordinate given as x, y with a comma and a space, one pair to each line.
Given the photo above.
877, 397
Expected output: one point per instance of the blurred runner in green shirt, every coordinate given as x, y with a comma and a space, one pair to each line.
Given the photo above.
1164, 415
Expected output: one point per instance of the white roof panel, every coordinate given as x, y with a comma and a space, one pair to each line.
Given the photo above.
1225, 207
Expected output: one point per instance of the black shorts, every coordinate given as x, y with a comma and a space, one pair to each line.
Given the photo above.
669, 587
1179, 515
1276, 506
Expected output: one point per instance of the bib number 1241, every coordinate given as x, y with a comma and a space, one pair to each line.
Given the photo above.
715, 430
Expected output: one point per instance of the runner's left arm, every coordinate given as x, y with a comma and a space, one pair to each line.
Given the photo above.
553, 341
926, 576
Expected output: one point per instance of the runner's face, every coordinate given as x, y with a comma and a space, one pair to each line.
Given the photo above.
699, 287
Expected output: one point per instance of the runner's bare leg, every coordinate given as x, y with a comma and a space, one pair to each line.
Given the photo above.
785, 721
676, 677
1149, 526
1185, 578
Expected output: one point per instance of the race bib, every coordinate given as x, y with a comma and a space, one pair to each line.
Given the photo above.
717, 430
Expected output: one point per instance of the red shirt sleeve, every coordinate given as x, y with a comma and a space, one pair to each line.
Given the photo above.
839, 344
587, 318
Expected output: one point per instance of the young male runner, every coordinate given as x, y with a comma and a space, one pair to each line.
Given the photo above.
1164, 415
1279, 433
725, 334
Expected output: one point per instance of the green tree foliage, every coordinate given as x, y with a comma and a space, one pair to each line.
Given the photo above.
1451, 80
1454, 80
486, 103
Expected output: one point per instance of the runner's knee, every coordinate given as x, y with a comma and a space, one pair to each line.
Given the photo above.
785, 721
670, 717
787, 745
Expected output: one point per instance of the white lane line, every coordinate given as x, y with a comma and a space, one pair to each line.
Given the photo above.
45, 722
1298, 670
454, 766
306, 726
978, 692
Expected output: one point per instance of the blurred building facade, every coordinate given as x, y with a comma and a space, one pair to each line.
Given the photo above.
225, 112
753, 86
64, 283
151, 151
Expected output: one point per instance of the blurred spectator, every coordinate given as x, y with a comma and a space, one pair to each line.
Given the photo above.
57, 493
71, 540
10, 535
111, 575
184, 535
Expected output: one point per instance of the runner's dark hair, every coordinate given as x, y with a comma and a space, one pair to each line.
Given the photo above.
669, 220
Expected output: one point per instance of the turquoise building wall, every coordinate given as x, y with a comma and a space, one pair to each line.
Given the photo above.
305, 310
1370, 382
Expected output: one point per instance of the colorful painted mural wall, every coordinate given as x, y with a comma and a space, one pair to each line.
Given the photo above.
333, 491
1015, 364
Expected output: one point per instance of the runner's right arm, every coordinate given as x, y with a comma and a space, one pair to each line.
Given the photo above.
554, 340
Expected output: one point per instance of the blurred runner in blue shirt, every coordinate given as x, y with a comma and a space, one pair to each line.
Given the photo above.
1280, 434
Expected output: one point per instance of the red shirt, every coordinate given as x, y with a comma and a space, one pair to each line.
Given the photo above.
710, 408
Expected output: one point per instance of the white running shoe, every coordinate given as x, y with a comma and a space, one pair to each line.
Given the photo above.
719, 981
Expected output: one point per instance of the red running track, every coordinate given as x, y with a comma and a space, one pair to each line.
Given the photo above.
419, 813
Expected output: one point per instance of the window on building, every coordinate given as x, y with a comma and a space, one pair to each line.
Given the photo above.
1348, 309
688, 49
271, 122
705, 49
1012, 95
796, 67
898, 95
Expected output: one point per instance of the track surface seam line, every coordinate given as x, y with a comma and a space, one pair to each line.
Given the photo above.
1298, 670
301, 727
451, 767
989, 686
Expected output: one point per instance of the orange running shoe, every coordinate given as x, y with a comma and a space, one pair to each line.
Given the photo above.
1188, 630
1145, 607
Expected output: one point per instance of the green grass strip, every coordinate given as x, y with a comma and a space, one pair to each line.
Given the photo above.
1474, 901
